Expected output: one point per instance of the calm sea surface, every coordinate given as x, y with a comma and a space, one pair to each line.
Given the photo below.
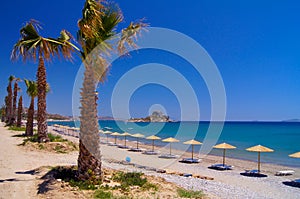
283, 137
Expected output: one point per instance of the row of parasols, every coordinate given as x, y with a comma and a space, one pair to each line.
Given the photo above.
258, 148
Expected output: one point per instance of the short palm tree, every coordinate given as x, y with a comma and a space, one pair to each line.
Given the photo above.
32, 93
3, 112
97, 28
15, 97
8, 101
20, 111
31, 45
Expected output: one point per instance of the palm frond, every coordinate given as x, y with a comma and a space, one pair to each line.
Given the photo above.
129, 34
31, 45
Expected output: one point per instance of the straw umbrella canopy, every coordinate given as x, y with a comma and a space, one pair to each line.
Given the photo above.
295, 155
106, 133
170, 140
259, 149
192, 142
153, 137
125, 134
137, 136
115, 134
224, 146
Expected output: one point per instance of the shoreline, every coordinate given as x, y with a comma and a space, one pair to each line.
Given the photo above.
210, 157
279, 156
225, 184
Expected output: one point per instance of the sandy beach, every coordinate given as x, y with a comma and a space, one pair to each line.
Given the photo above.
18, 182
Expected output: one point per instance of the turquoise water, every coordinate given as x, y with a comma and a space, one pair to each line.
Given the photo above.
283, 137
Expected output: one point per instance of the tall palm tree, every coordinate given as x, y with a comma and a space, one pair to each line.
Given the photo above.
20, 111
32, 93
9, 104
15, 96
31, 45
97, 27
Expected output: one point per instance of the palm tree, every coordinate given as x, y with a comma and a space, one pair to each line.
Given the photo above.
15, 96
31, 45
97, 27
3, 112
5, 118
32, 93
20, 111
9, 101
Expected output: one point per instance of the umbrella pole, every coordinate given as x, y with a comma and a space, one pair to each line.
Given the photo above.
170, 148
137, 143
115, 139
258, 161
106, 138
224, 157
192, 151
125, 140
152, 145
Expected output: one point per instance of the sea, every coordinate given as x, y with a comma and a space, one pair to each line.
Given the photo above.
282, 137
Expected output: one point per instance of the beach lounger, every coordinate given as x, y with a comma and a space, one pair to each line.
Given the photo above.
190, 160
253, 173
168, 156
187, 175
123, 147
160, 171
150, 152
284, 173
220, 167
112, 144
293, 183
135, 150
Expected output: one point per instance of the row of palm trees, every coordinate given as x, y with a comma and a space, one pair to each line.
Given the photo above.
97, 29
11, 113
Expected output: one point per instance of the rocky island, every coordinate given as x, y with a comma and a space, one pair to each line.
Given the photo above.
156, 116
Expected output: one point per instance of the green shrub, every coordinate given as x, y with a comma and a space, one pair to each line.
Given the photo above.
56, 138
69, 175
148, 186
52, 138
189, 193
129, 179
14, 128
100, 194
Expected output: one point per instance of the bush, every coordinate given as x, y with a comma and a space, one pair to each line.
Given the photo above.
100, 194
56, 138
189, 193
69, 175
129, 179
52, 138
14, 128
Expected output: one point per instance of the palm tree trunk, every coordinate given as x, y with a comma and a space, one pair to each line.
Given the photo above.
30, 114
9, 104
14, 109
89, 160
41, 113
6, 109
20, 110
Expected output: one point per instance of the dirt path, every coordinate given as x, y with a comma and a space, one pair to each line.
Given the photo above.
17, 176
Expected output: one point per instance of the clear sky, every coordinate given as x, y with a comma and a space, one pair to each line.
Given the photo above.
255, 45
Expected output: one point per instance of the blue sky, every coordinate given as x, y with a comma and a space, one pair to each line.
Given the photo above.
255, 44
